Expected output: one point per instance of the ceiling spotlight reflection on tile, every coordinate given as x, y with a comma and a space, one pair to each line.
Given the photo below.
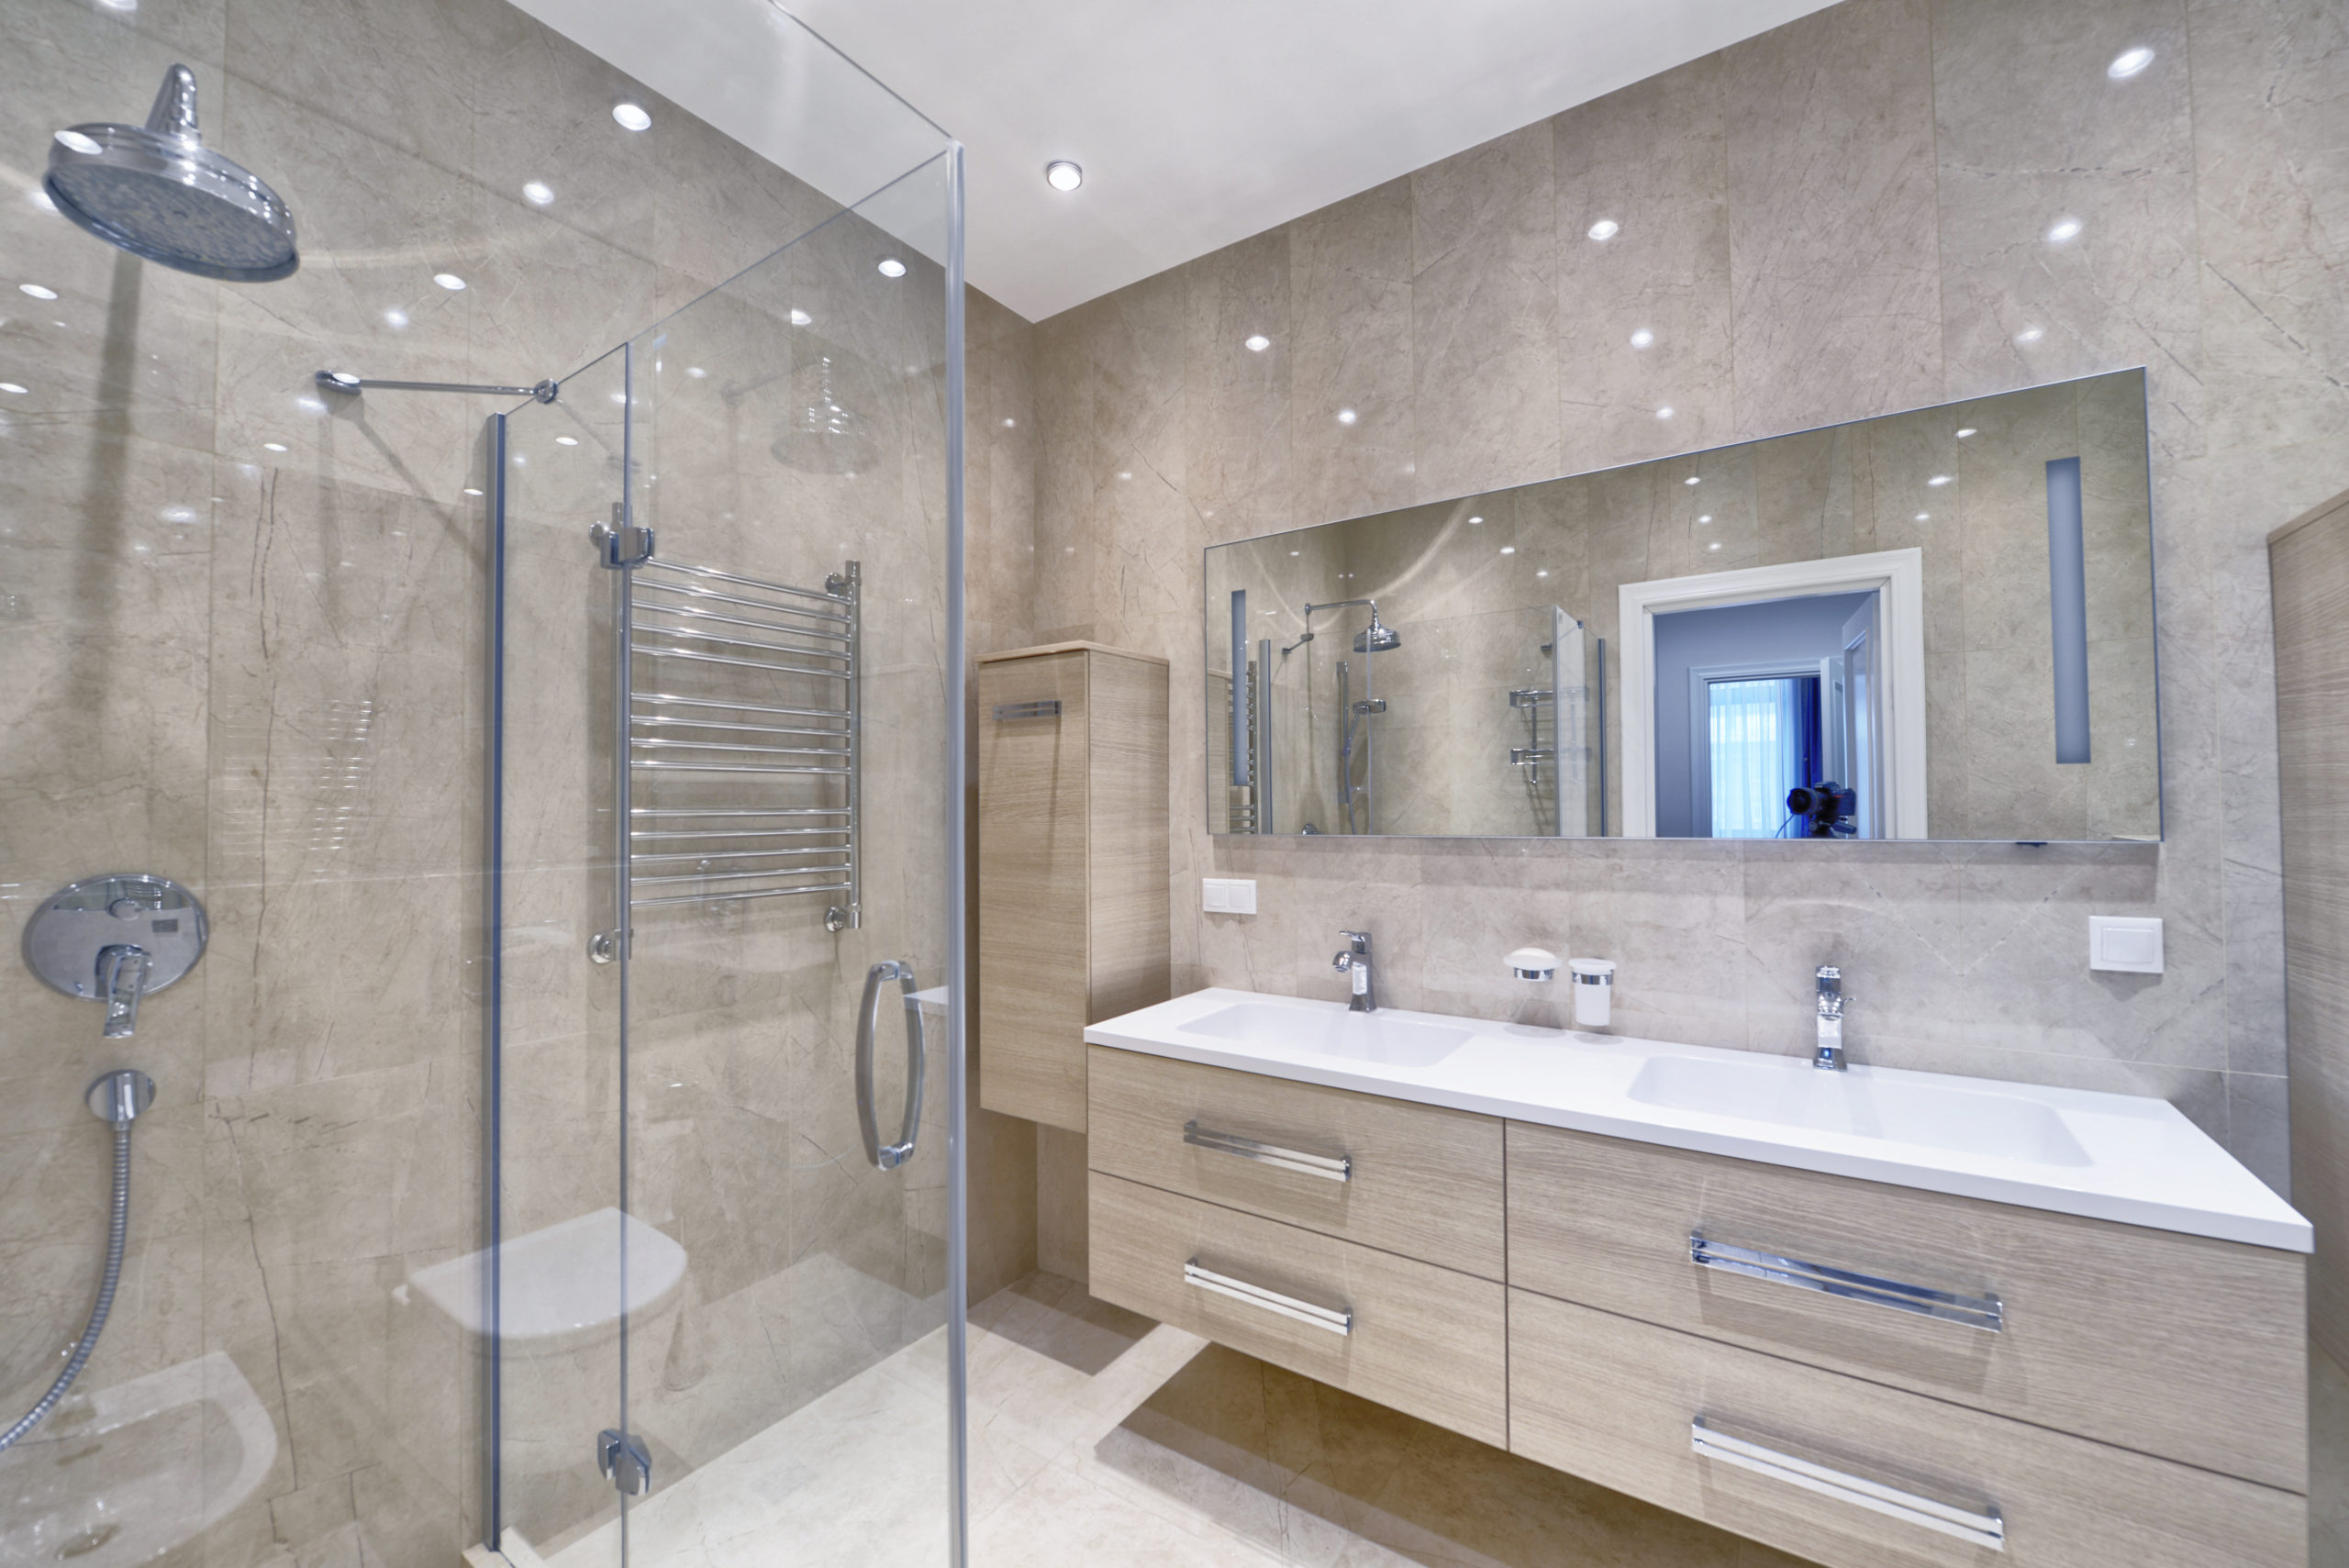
1062, 175
1692, 479
1715, 545
1476, 519
1541, 571
74, 141
1924, 517
631, 117
616, 398
696, 372
1665, 412
310, 404
2030, 335
396, 318
36, 291
1965, 432
1347, 415
448, 281
1297, 552
1938, 479
1258, 343
1605, 228
13, 389
1509, 549
178, 514
1704, 516
473, 490
566, 441
2064, 229
1125, 473
2128, 64
890, 267
1642, 337
273, 447
40, 198
538, 193
801, 318
1011, 424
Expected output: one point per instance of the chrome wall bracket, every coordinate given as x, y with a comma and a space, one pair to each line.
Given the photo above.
625, 1462
352, 385
623, 543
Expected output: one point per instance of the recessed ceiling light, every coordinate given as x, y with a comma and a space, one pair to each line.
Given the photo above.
1938, 479
2065, 229
448, 281
1692, 479
1642, 337
1965, 432
2030, 335
1062, 175
1259, 343
566, 441
1347, 415
13, 390
1509, 549
74, 141
1606, 228
890, 267
801, 318
36, 291
2128, 64
396, 318
1665, 412
272, 446
538, 193
631, 117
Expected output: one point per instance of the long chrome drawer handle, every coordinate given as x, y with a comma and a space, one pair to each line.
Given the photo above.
1327, 1318
1973, 1311
1336, 1167
1986, 1528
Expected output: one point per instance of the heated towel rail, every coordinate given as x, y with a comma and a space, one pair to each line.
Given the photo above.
740, 701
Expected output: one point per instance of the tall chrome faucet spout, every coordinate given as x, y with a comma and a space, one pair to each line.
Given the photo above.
1828, 1056
1355, 961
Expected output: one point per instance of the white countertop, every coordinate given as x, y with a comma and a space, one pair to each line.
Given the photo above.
2119, 1157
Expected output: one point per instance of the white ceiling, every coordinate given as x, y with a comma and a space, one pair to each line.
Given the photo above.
1198, 122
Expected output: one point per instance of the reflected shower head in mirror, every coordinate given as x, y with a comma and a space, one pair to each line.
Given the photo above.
158, 193
1377, 638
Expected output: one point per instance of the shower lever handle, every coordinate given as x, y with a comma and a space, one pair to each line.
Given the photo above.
889, 1156
122, 979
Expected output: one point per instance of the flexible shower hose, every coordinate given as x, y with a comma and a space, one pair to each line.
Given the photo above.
89, 1340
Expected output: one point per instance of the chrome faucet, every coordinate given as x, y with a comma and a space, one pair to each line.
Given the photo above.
1828, 1056
1355, 961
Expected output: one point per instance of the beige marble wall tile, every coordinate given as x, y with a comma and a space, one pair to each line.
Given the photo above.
1831, 176
1643, 316
1351, 311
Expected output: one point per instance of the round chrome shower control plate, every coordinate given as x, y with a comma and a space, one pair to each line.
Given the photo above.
73, 926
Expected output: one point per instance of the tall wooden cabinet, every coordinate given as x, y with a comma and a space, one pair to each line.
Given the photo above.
1072, 864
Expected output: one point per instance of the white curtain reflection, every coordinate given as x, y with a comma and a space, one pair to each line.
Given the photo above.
1757, 747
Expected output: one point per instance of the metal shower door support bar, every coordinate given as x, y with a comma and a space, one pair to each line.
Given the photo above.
352, 386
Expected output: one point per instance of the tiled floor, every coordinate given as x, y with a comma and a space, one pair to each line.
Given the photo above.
1099, 1438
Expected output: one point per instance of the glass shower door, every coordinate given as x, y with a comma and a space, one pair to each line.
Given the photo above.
730, 672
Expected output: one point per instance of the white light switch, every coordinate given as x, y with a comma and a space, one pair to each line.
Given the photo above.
2128, 943
1229, 895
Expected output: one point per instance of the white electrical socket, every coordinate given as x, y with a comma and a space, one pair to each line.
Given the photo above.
1229, 895
2130, 944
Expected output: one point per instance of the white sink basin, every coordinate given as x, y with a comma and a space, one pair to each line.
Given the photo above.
1358, 1037
1861, 1104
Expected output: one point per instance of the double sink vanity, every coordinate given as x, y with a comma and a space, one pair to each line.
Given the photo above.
1873, 1318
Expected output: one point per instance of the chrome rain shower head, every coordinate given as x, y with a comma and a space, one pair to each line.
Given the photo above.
1377, 638
158, 193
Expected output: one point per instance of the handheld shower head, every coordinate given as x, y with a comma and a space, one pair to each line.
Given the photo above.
158, 193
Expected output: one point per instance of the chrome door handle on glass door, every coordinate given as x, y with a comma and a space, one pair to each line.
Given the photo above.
888, 1157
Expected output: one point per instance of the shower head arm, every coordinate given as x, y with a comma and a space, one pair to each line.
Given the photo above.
352, 386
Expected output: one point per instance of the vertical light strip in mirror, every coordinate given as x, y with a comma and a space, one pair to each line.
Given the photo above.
1263, 708
1239, 687
2067, 608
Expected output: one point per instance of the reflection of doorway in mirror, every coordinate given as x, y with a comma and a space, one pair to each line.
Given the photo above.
1843, 638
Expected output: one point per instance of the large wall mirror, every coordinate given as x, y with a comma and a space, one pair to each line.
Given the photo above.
1933, 625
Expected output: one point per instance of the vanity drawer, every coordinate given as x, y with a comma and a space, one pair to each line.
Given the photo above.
1425, 1340
1419, 1180
1619, 1402
2177, 1345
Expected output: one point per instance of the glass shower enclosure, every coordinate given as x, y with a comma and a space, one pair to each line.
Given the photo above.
724, 1095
